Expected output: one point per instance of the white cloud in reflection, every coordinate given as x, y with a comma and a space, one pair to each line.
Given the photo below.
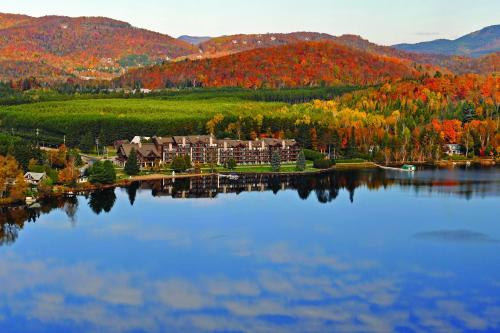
311, 294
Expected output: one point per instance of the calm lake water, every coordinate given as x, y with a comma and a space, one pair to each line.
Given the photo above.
353, 251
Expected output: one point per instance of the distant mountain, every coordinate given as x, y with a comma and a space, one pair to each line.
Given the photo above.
225, 45
84, 46
295, 65
476, 44
193, 40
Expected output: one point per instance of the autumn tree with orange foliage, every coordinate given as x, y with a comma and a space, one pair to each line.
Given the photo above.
12, 184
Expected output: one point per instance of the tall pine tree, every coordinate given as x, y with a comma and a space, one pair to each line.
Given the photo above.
132, 164
301, 161
275, 161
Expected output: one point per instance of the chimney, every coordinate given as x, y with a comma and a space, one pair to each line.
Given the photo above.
140, 144
211, 140
250, 145
283, 143
225, 145
184, 141
263, 145
170, 146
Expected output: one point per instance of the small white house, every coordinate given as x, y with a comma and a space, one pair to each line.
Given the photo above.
453, 149
34, 178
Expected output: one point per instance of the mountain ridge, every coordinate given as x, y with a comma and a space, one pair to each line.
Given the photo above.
85, 46
475, 44
104, 48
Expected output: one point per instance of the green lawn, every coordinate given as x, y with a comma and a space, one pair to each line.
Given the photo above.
266, 168
350, 160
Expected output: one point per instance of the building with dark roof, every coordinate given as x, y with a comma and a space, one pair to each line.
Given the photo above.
206, 149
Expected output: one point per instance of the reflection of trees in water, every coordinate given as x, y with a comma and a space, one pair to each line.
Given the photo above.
13, 219
102, 201
71, 208
326, 188
132, 192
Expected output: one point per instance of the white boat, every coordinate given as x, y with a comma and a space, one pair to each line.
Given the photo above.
405, 168
30, 200
230, 177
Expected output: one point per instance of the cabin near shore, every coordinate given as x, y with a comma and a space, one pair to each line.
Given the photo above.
206, 149
34, 178
453, 149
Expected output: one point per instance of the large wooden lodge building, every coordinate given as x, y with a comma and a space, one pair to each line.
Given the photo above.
206, 149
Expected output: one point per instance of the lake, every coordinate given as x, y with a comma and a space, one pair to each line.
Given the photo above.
349, 251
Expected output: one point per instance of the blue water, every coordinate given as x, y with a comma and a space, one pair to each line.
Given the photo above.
360, 251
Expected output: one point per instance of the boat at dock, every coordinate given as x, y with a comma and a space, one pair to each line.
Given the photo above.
405, 168
230, 177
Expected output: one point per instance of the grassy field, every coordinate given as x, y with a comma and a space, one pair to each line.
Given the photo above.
124, 118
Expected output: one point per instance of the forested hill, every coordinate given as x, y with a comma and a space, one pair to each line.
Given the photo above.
226, 45
476, 44
85, 46
295, 65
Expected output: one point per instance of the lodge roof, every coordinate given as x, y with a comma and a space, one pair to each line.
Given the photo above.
192, 139
160, 140
144, 149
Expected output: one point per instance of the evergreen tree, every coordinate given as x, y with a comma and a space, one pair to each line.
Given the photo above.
275, 161
102, 173
87, 142
301, 161
352, 142
187, 162
132, 165
469, 113
231, 164
96, 173
109, 172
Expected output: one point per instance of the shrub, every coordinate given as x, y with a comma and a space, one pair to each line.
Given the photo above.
312, 155
181, 163
322, 163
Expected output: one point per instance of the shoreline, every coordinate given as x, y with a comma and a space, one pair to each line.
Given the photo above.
88, 188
